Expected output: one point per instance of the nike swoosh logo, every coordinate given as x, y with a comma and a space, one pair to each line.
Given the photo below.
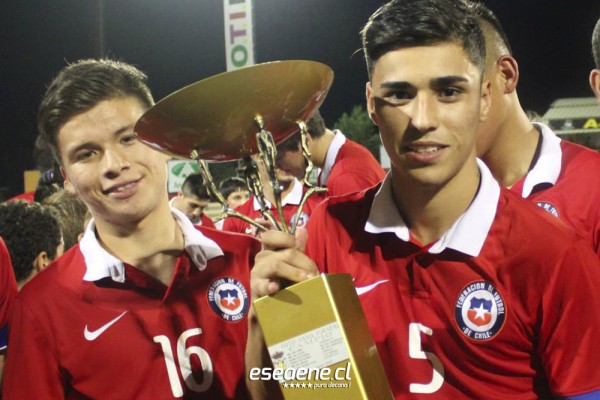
93, 335
360, 290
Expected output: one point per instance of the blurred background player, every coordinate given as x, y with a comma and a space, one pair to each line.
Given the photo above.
33, 238
292, 190
528, 158
235, 192
345, 166
70, 212
192, 199
595, 73
8, 291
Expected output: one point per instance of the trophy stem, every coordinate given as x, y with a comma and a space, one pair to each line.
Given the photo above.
268, 153
214, 192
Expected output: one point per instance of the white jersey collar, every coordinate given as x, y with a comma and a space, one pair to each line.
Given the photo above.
334, 148
467, 234
294, 197
548, 165
101, 264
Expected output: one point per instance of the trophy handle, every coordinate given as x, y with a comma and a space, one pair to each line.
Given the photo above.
212, 189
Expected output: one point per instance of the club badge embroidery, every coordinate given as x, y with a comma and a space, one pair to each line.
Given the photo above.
228, 298
480, 311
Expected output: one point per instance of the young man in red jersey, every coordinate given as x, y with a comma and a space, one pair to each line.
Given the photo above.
345, 166
469, 291
527, 157
146, 306
192, 199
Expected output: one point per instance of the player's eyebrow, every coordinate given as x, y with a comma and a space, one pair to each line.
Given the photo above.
445, 81
396, 85
442, 81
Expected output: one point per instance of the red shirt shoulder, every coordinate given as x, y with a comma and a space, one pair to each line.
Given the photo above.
355, 169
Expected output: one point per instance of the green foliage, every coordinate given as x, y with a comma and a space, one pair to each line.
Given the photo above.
357, 126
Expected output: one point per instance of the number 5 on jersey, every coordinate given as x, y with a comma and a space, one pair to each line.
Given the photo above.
415, 350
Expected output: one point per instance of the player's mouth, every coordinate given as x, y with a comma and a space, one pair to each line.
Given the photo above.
424, 152
122, 190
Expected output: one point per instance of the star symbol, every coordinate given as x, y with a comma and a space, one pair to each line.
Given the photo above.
229, 299
303, 385
309, 385
285, 385
480, 312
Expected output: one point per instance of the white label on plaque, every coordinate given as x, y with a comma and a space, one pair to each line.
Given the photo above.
318, 348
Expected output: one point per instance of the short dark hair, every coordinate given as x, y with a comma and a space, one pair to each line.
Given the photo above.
483, 13
230, 185
290, 144
316, 126
194, 186
596, 44
80, 86
28, 229
409, 23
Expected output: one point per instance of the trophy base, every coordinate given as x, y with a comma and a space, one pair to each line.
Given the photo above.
319, 341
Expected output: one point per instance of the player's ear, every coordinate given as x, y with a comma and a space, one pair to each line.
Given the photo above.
595, 82
41, 261
370, 103
509, 70
486, 100
67, 182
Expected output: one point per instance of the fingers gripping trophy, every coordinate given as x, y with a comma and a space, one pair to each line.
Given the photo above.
237, 114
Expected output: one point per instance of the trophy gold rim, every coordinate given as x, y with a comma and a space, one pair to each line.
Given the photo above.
215, 119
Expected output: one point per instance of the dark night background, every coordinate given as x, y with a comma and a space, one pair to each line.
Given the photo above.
178, 42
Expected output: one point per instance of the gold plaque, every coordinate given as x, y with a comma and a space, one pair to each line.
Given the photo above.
319, 341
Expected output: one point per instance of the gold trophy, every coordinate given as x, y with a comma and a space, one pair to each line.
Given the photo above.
317, 325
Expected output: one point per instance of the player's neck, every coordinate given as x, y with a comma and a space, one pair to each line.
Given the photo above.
430, 211
319, 151
513, 152
151, 244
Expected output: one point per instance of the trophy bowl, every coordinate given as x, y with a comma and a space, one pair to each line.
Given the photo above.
216, 118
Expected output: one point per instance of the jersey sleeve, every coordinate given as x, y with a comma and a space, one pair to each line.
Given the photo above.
568, 346
32, 370
8, 291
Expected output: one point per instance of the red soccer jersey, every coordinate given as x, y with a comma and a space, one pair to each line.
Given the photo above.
565, 182
75, 335
8, 291
353, 170
503, 306
251, 208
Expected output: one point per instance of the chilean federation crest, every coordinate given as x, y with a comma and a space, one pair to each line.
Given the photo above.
480, 311
228, 298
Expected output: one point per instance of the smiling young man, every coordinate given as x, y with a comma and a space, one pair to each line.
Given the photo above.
146, 306
470, 292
